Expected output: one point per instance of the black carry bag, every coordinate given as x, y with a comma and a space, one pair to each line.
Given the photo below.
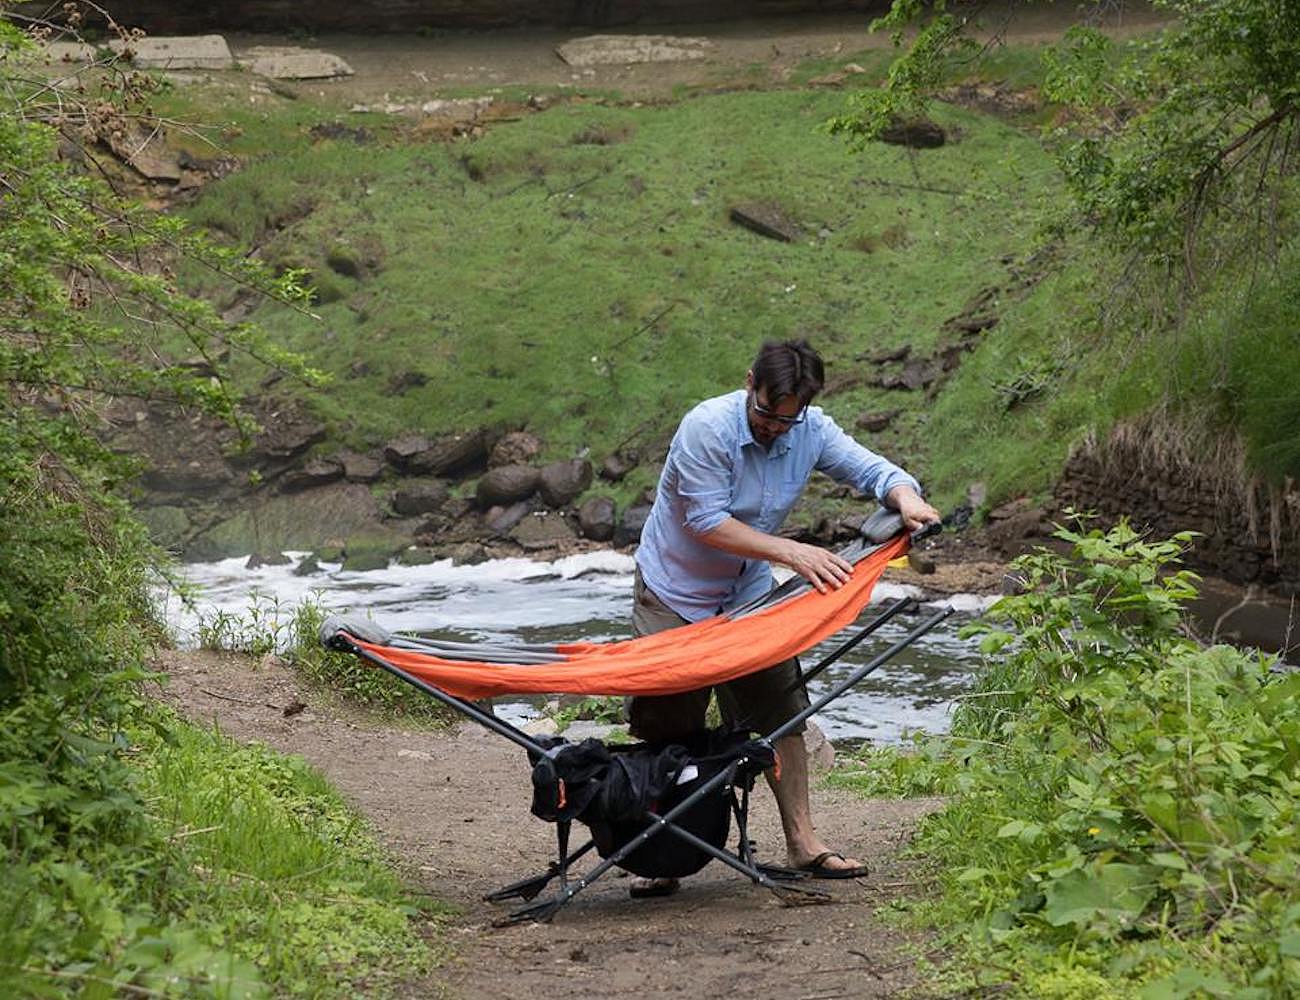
611, 789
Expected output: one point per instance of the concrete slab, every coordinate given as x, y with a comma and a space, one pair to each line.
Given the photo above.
178, 52
622, 50
291, 63
70, 52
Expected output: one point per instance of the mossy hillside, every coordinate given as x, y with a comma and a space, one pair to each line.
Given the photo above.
522, 273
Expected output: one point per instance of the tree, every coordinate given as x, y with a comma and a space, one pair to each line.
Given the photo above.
1165, 140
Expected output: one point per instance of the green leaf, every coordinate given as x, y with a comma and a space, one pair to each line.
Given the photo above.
1115, 893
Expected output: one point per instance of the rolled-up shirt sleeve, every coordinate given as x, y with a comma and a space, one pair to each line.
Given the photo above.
846, 461
704, 468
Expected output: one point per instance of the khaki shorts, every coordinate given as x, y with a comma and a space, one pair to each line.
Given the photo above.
759, 701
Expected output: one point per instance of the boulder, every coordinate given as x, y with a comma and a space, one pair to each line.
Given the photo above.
507, 484
500, 520
176, 52
414, 498
258, 559
873, 423
630, 525
315, 473
288, 62
309, 566
622, 50
542, 530
147, 152
359, 468
449, 455
596, 519
767, 220
515, 448
562, 482
287, 432
401, 451
618, 465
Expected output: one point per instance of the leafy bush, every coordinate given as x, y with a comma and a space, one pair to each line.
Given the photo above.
105, 892
1125, 814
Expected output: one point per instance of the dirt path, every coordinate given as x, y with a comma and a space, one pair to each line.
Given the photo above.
453, 809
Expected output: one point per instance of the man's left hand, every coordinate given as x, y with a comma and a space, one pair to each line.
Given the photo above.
916, 513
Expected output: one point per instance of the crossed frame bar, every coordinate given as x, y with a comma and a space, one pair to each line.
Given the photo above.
769, 877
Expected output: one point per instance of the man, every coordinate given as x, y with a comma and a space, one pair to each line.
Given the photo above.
735, 468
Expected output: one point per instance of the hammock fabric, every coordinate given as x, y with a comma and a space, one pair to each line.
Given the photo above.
694, 656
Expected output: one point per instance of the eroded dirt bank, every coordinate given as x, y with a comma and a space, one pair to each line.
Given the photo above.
453, 809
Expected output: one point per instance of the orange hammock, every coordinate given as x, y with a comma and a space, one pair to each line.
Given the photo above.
703, 653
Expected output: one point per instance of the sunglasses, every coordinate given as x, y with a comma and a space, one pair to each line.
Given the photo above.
774, 417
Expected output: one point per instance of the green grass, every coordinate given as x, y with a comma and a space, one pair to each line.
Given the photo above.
522, 272
282, 870
201, 868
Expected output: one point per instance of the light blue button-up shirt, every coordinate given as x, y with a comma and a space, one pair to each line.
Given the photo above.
715, 470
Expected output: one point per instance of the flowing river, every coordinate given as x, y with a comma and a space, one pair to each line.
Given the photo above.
579, 597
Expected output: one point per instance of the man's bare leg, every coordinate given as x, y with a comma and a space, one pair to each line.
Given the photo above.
802, 844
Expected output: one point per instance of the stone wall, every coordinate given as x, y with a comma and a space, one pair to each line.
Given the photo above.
162, 17
1142, 470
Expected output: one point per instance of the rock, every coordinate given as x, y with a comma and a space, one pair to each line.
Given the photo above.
418, 555
467, 554
259, 559
411, 499
176, 52
195, 477
630, 525
890, 354
545, 726
309, 566
287, 432
596, 519
287, 62
300, 521
366, 561
359, 468
542, 530
821, 752
400, 382
70, 52
500, 520
515, 448
400, 451
621, 50
583, 729
562, 482
873, 423
315, 473
454, 453
919, 562
147, 153
507, 484
618, 465
336, 131
917, 133
167, 525
767, 220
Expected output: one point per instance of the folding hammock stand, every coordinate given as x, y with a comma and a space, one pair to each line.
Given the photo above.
629, 796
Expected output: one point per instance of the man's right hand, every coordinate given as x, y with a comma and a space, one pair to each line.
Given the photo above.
823, 568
